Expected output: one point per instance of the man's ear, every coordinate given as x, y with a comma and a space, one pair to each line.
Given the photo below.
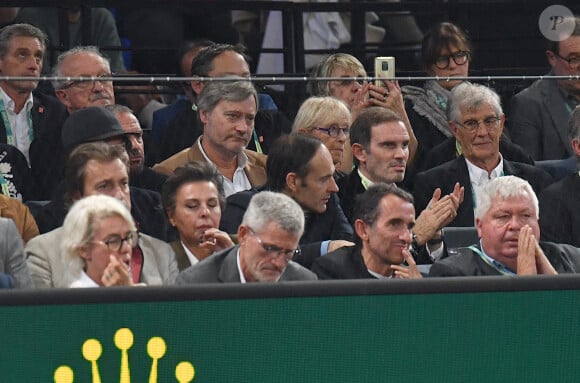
63, 97
243, 232
576, 146
359, 153
360, 228
453, 128
203, 116
197, 86
551, 58
292, 181
478, 226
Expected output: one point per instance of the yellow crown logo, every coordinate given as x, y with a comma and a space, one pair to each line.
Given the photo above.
92, 350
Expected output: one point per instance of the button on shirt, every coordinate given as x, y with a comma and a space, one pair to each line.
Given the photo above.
19, 123
240, 181
479, 177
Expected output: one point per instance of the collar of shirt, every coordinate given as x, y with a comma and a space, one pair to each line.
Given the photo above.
503, 269
242, 157
242, 277
192, 258
366, 183
379, 276
479, 176
10, 104
83, 281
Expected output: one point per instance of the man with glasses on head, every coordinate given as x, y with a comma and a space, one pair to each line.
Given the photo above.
268, 241
539, 114
476, 120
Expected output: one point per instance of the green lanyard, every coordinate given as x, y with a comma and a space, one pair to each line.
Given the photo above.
9, 135
492, 262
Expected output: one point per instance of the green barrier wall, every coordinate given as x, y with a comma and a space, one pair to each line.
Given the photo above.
255, 335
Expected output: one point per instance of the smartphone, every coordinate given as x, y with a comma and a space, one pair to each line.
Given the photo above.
384, 68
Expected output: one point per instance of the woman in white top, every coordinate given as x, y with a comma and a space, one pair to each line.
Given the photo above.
98, 238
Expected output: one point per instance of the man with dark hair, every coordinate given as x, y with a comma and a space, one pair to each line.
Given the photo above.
301, 167
538, 114
101, 168
383, 219
380, 145
222, 60
227, 110
27, 116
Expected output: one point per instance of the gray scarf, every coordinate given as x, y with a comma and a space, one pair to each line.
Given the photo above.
430, 102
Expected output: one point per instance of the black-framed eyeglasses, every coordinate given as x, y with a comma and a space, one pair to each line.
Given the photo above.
459, 58
334, 130
89, 83
490, 123
573, 62
116, 243
275, 250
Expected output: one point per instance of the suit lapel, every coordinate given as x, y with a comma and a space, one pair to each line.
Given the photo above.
182, 260
465, 215
228, 271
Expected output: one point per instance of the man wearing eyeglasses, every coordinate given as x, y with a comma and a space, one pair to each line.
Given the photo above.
46, 153
476, 120
539, 114
268, 240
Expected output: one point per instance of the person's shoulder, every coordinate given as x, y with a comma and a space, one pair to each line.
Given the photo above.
205, 271
141, 195
296, 272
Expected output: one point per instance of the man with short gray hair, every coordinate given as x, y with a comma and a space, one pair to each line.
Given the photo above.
227, 110
268, 240
507, 225
476, 119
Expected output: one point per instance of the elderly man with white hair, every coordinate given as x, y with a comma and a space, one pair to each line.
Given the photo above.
507, 225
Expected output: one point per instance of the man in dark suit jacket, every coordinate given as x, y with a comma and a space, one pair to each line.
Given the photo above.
28, 117
539, 114
560, 204
470, 107
384, 216
268, 240
507, 224
301, 167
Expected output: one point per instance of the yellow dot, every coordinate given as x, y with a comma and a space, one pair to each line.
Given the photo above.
184, 372
63, 374
156, 347
92, 350
123, 339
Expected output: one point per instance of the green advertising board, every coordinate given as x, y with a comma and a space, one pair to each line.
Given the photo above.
496, 330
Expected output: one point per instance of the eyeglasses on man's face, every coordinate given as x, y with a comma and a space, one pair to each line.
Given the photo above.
459, 58
490, 123
573, 62
274, 250
115, 243
89, 83
334, 130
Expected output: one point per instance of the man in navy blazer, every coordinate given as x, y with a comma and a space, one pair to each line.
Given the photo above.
477, 120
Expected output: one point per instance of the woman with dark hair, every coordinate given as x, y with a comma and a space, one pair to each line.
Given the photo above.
446, 52
193, 198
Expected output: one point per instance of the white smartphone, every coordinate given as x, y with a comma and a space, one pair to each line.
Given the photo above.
385, 69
